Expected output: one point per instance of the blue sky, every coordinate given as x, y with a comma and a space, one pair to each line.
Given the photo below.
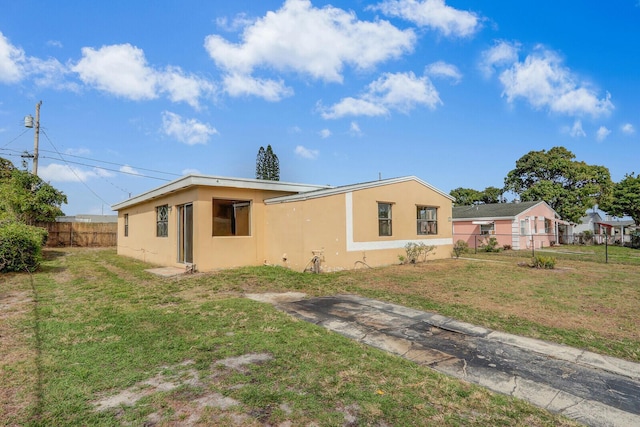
454, 92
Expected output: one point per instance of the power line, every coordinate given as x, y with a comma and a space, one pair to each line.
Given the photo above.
73, 171
25, 131
116, 164
104, 168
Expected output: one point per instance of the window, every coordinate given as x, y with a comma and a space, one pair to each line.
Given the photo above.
126, 225
487, 228
547, 226
231, 217
535, 225
523, 227
427, 220
384, 219
162, 221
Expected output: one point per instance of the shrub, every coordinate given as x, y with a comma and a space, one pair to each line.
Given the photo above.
20, 246
540, 261
506, 247
415, 251
490, 244
460, 247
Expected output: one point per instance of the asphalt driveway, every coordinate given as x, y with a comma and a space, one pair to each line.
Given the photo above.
593, 389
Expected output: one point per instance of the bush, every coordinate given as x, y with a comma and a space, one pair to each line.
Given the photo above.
20, 246
461, 247
540, 261
490, 244
415, 251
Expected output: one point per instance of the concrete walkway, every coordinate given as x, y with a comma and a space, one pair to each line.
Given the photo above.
592, 389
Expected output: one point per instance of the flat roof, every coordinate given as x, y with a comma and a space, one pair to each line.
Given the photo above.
195, 180
352, 187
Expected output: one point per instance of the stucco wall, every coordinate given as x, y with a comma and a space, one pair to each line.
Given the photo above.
344, 227
142, 243
209, 252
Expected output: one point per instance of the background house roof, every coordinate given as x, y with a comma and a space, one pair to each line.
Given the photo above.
352, 187
216, 181
493, 210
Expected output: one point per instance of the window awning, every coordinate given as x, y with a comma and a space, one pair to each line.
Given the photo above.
482, 222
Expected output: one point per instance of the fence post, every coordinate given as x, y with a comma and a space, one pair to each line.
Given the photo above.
533, 246
475, 244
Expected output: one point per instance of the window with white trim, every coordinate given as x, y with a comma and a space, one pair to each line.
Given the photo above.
487, 228
126, 225
427, 218
384, 219
523, 227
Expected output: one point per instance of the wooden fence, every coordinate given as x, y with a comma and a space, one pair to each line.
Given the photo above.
82, 234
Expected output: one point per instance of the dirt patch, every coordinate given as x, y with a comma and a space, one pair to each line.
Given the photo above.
277, 297
190, 406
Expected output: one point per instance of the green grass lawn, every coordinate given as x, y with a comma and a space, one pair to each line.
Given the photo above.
91, 325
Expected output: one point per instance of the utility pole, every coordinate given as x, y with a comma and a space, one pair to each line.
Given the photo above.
36, 139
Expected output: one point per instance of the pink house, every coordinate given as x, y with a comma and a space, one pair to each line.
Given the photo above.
519, 225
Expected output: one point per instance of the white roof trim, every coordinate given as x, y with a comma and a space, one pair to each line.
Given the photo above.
349, 188
216, 181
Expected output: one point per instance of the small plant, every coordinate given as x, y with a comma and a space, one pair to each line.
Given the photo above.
506, 247
460, 247
540, 261
490, 244
415, 252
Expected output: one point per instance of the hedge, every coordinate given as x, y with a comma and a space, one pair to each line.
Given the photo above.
20, 246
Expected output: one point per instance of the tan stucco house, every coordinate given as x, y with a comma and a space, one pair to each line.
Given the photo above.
215, 222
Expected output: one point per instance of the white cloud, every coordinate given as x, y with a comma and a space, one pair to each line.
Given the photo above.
12, 62
54, 43
191, 171
354, 129
122, 70
128, 170
240, 21
434, 14
77, 151
544, 82
325, 133
306, 153
628, 129
502, 53
443, 69
242, 85
187, 131
55, 172
118, 69
316, 42
183, 88
602, 133
577, 131
392, 91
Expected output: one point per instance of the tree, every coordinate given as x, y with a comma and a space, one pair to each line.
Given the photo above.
492, 195
625, 198
260, 163
469, 196
26, 198
570, 187
267, 165
465, 196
